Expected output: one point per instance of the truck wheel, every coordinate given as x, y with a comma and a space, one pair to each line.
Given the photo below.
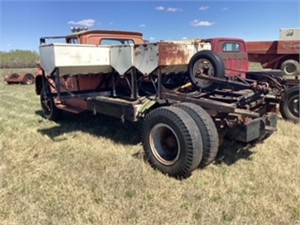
207, 129
12, 77
28, 79
290, 67
289, 106
205, 63
49, 109
171, 141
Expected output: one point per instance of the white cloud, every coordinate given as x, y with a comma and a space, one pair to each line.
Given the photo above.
184, 38
86, 22
160, 8
152, 38
142, 25
224, 9
204, 8
170, 9
197, 23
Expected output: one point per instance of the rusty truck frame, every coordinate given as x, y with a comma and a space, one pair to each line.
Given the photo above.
237, 61
178, 89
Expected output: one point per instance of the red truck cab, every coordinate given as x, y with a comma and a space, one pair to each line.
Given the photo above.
234, 54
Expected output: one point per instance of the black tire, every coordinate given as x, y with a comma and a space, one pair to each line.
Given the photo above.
28, 79
289, 106
14, 76
208, 130
290, 67
208, 63
171, 141
49, 109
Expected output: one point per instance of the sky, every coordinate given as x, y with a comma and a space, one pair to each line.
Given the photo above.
23, 22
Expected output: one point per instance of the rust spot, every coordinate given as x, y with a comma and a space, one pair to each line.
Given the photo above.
173, 54
137, 52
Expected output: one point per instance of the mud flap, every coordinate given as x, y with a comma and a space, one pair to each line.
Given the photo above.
257, 129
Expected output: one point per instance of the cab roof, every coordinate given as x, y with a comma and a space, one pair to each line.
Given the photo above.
104, 32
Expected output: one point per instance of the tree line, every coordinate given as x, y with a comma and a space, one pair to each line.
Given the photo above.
18, 59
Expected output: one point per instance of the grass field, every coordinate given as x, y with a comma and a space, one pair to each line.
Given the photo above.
90, 170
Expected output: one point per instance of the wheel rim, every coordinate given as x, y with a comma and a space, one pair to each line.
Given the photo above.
290, 68
203, 67
29, 79
164, 144
293, 106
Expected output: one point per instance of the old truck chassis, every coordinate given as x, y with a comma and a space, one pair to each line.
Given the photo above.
166, 80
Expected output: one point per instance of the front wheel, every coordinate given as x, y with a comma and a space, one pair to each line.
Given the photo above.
289, 106
47, 103
171, 141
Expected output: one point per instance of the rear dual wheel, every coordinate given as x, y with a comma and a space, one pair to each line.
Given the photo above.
208, 131
171, 141
180, 138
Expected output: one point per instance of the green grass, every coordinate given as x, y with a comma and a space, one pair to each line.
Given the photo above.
90, 170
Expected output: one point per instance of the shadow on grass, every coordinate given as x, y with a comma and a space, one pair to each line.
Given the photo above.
230, 152
127, 133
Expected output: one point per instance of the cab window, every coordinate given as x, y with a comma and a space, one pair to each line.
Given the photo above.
73, 41
116, 42
231, 47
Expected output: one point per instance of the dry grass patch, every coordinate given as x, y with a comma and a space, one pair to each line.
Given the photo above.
89, 170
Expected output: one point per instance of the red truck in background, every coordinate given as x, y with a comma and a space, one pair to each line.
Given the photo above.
234, 54
280, 54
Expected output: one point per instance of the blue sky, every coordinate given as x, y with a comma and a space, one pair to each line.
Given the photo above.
22, 23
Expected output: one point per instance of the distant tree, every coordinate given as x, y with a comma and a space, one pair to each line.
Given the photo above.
18, 59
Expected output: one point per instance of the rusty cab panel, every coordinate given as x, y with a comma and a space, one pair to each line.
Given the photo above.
233, 52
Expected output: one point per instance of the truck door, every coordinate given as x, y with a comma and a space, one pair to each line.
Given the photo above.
234, 55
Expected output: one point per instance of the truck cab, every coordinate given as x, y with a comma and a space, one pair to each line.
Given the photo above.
93, 37
100, 37
234, 54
